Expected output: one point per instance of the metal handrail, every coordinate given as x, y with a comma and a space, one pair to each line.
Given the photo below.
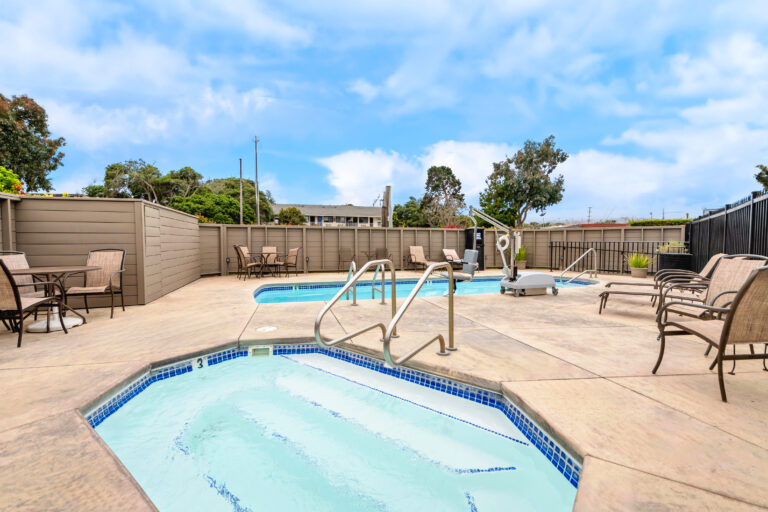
349, 284
373, 283
391, 328
592, 271
352, 270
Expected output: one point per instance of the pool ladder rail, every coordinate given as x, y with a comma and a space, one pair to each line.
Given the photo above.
592, 271
389, 331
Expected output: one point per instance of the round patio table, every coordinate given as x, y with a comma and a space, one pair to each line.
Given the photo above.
56, 274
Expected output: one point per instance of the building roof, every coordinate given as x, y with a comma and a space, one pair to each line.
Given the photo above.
332, 210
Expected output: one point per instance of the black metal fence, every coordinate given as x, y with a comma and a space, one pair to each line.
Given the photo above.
610, 257
739, 228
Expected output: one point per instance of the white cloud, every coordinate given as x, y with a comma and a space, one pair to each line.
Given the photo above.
365, 89
360, 176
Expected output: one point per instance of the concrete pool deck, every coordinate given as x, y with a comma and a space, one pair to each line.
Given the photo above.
663, 442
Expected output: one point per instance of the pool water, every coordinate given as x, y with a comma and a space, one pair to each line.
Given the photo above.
310, 432
310, 292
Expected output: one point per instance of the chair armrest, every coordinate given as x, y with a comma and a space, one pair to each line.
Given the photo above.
721, 294
116, 272
664, 308
41, 283
608, 285
678, 286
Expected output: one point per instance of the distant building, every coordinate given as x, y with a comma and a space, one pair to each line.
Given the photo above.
336, 215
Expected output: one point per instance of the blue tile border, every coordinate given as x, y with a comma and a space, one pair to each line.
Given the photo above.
563, 461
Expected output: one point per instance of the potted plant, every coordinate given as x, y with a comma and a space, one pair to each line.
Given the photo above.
520, 258
674, 255
638, 264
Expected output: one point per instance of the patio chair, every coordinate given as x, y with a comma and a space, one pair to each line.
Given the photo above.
697, 283
744, 324
416, 257
452, 256
380, 253
290, 261
17, 260
15, 307
245, 264
268, 259
108, 280
346, 257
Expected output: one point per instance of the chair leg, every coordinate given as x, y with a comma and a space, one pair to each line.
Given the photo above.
706, 352
111, 303
21, 330
662, 344
122, 299
85, 300
61, 319
720, 379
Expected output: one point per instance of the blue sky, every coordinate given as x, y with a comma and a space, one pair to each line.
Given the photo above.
661, 105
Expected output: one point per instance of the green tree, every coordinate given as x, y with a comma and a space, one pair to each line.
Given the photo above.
443, 199
231, 188
525, 182
217, 208
408, 215
182, 183
26, 145
94, 190
132, 178
762, 176
291, 216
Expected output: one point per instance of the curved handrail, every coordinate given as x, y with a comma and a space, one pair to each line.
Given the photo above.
391, 328
344, 289
592, 271
352, 270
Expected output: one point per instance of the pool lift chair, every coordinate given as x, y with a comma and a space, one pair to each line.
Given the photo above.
468, 267
525, 283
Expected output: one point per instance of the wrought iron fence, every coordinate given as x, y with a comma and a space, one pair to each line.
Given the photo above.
609, 257
738, 228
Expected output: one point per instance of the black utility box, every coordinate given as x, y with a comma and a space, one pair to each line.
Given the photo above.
675, 260
479, 244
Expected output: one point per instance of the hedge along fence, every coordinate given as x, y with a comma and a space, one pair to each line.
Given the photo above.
659, 222
322, 244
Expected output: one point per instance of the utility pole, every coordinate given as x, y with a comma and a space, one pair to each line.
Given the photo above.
241, 191
589, 214
662, 213
256, 182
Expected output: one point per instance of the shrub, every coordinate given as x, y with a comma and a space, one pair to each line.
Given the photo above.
676, 247
658, 222
216, 208
292, 216
638, 260
10, 182
521, 254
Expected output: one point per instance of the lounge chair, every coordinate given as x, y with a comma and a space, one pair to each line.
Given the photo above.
346, 257
416, 257
15, 307
744, 324
290, 261
108, 280
698, 282
245, 264
453, 257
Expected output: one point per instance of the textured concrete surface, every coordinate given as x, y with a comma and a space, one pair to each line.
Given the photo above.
662, 442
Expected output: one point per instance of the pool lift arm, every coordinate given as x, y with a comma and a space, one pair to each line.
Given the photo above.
528, 283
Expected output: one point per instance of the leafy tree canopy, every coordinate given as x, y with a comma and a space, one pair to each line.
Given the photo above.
218, 208
762, 176
26, 145
94, 190
408, 215
138, 179
525, 182
291, 216
443, 199
231, 188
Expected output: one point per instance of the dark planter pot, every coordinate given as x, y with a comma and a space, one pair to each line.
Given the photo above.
675, 260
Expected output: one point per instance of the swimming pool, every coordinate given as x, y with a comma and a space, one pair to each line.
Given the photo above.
310, 292
299, 430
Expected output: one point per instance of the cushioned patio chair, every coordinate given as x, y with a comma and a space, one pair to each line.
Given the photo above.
696, 282
108, 280
290, 262
416, 257
15, 307
452, 256
268, 259
245, 264
744, 324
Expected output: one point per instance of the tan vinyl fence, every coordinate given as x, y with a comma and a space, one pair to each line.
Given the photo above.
162, 245
321, 245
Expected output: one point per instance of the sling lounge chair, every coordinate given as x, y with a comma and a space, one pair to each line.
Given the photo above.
744, 323
453, 257
15, 307
416, 257
108, 280
697, 281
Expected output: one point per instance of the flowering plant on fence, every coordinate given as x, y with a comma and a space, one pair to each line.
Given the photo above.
10, 182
